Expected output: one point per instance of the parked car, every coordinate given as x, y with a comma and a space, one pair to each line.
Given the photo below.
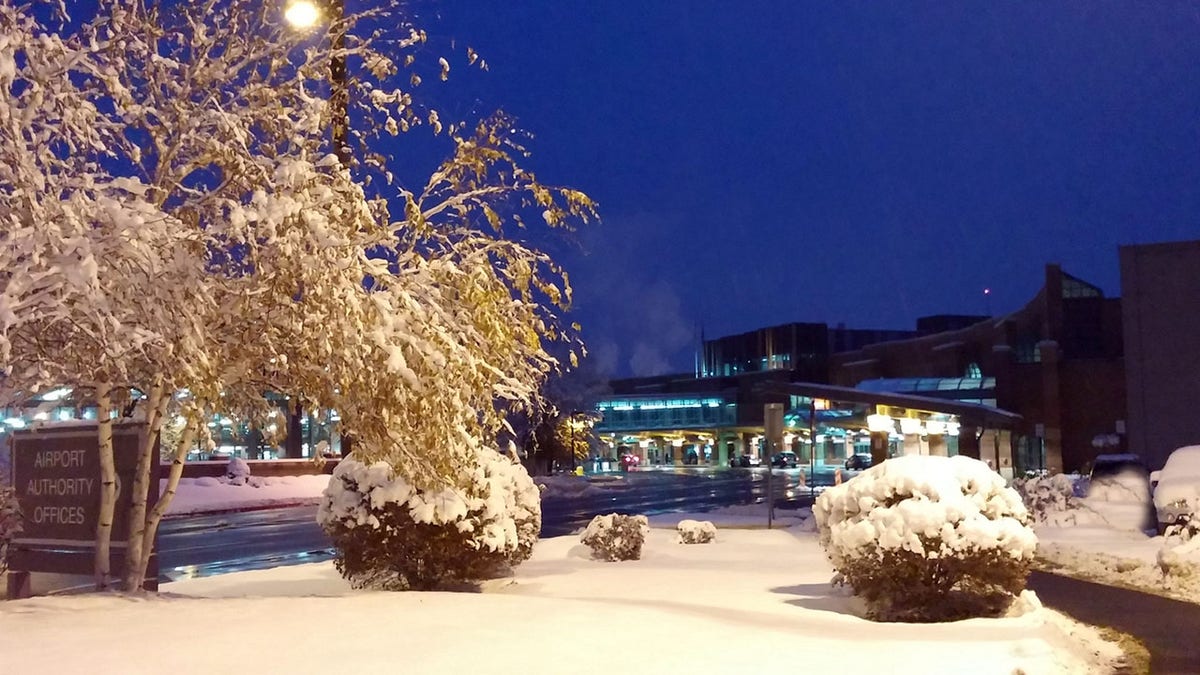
858, 462
785, 460
745, 461
1119, 490
1177, 487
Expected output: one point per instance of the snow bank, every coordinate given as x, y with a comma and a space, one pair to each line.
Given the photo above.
566, 486
207, 494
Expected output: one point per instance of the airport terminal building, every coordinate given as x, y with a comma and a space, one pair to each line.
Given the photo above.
1070, 375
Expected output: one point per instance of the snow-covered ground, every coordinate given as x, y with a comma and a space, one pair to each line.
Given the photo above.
1080, 542
753, 601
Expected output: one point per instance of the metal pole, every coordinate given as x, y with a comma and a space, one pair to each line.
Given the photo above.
812, 447
339, 94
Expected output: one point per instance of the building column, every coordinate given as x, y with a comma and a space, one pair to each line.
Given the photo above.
879, 447
1004, 453
989, 445
937, 445
1051, 405
968, 443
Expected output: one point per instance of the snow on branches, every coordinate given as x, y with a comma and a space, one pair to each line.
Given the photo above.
175, 217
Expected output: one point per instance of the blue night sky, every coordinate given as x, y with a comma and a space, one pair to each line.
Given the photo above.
862, 163
866, 163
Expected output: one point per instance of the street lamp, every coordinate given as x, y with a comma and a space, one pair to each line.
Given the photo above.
302, 14
305, 14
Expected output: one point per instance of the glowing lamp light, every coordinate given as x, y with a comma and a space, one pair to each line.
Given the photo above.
935, 427
880, 423
952, 428
302, 14
678, 442
910, 425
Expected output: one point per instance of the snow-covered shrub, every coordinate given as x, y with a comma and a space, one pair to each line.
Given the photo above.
391, 534
696, 531
10, 523
925, 539
1047, 496
237, 471
616, 537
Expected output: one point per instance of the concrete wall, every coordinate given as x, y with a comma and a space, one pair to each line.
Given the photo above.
1160, 289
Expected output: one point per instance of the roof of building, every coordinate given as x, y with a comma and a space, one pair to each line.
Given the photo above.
969, 413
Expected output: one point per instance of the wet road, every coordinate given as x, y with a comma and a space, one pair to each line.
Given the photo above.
1167, 627
214, 544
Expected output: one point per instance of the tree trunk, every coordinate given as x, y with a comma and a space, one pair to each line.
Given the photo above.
108, 485
156, 514
143, 482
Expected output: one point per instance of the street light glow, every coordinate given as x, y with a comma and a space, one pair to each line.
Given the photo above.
302, 13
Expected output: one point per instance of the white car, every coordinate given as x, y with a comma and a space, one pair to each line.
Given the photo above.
1177, 493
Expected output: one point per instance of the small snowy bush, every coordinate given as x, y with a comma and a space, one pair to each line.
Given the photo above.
1047, 496
391, 534
616, 537
10, 523
926, 539
237, 471
696, 531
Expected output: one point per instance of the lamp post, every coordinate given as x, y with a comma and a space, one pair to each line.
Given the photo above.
304, 15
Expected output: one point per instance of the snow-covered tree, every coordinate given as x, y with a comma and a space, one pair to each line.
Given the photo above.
175, 220
10, 522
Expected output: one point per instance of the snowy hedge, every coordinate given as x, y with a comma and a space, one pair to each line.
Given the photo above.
390, 534
616, 537
923, 538
10, 523
1047, 497
696, 531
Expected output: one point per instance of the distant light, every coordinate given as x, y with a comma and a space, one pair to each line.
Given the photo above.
42, 416
880, 423
15, 422
987, 291
302, 13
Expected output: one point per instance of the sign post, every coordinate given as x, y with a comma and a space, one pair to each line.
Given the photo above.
773, 439
56, 476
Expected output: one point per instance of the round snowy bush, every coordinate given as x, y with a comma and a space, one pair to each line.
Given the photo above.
696, 531
237, 471
616, 537
925, 539
391, 534
1048, 497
